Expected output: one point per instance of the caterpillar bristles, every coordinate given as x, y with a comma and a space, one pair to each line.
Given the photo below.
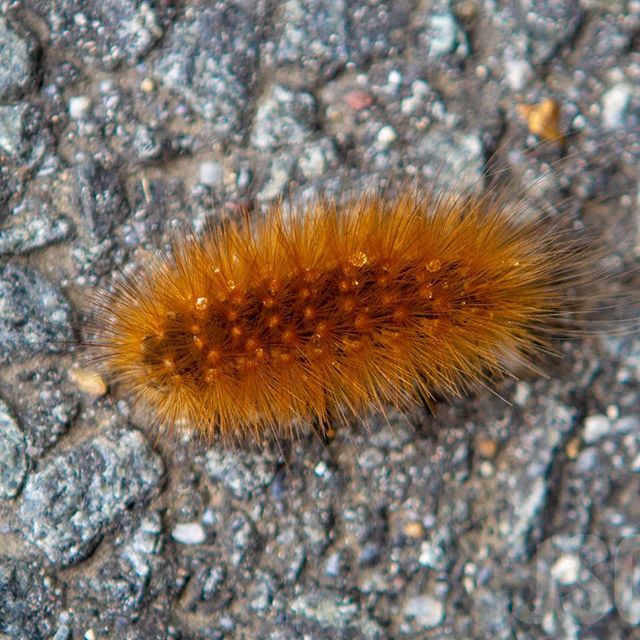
260, 329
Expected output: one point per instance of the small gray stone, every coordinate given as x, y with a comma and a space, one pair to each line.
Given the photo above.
283, 120
261, 594
549, 24
279, 174
316, 157
212, 580
62, 633
566, 569
316, 27
532, 456
453, 159
533, 29
333, 565
242, 474
13, 461
627, 424
386, 137
146, 541
210, 58
444, 36
104, 34
243, 537
320, 37
34, 315
31, 226
46, 406
144, 144
122, 579
11, 142
21, 136
69, 503
327, 608
29, 601
101, 198
16, 61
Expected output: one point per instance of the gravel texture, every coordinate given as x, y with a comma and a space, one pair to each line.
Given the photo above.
505, 515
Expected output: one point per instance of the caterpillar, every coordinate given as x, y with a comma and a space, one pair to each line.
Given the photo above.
261, 328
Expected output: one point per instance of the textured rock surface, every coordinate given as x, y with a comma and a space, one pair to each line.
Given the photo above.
13, 460
29, 600
34, 315
211, 56
103, 34
17, 51
69, 503
503, 516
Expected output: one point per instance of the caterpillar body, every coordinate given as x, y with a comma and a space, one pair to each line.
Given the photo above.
259, 328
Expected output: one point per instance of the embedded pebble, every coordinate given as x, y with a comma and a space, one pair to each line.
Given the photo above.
100, 196
443, 35
426, 611
456, 159
30, 601
596, 427
13, 141
210, 58
46, 406
88, 381
103, 35
283, 120
211, 174
16, 60
243, 474
279, 174
386, 136
27, 230
319, 37
188, 533
34, 315
13, 460
327, 608
79, 106
69, 503
315, 158
566, 569
615, 103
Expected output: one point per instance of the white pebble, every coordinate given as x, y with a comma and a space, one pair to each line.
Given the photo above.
518, 73
425, 610
312, 162
211, 174
188, 533
486, 469
614, 105
595, 427
386, 136
394, 77
79, 106
566, 569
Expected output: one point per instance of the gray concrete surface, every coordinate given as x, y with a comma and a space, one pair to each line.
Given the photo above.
508, 515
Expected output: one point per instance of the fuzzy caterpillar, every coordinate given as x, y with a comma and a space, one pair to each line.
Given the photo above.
258, 328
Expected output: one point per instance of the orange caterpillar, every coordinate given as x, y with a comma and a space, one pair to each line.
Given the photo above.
256, 329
